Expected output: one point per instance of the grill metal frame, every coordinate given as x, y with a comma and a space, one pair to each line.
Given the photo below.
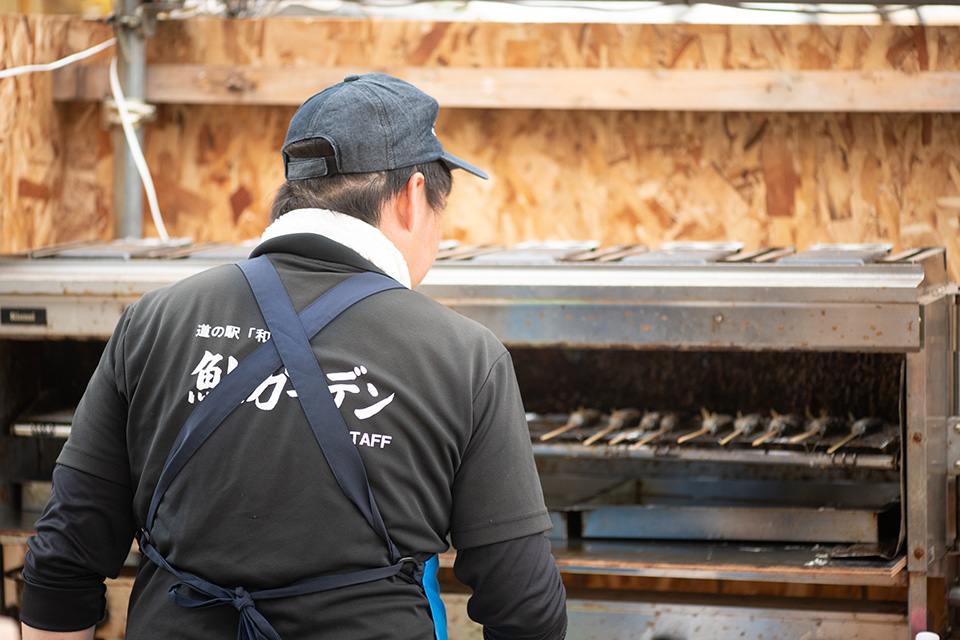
903, 304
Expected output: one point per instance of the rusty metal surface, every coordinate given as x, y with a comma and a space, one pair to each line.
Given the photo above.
837, 383
838, 297
610, 620
692, 324
599, 619
718, 560
722, 281
727, 522
547, 300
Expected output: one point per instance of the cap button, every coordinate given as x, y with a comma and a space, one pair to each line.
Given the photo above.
351, 77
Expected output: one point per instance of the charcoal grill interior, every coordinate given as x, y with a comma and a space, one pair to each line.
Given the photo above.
646, 480
558, 380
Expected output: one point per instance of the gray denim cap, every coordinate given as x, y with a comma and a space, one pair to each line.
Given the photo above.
374, 122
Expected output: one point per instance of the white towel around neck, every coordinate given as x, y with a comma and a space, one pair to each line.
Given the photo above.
351, 232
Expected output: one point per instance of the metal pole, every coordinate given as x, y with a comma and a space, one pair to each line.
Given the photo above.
131, 68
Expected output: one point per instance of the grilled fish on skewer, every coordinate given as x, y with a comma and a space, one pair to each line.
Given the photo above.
648, 422
744, 426
669, 422
780, 425
618, 420
860, 427
579, 418
818, 427
712, 424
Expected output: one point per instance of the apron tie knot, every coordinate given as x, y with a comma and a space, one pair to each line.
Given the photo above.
242, 599
203, 595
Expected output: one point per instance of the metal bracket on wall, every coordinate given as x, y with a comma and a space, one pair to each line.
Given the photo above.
140, 112
954, 333
953, 445
143, 20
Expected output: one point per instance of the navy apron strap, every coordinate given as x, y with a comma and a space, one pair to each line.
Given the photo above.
308, 379
253, 625
234, 388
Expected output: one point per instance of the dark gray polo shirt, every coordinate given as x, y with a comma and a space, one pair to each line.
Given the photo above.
430, 400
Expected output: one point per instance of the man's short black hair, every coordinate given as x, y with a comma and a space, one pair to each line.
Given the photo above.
360, 195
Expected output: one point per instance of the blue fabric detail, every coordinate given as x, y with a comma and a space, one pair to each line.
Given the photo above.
431, 586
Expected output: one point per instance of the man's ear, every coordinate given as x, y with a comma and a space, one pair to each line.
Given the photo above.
412, 202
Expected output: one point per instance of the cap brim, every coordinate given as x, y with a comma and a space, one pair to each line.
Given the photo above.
453, 162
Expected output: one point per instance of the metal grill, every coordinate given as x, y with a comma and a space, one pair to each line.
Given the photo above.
697, 411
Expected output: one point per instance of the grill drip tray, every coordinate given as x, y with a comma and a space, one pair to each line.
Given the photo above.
769, 510
760, 562
762, 530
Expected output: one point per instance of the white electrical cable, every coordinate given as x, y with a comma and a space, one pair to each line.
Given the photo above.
134, 143
31, 68
125, 120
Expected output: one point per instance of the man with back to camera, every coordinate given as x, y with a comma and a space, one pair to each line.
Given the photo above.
292, 441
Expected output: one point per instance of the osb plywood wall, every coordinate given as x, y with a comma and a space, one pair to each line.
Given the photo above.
620, 177
55, 165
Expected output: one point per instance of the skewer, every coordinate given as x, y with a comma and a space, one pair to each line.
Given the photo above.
858, 428
649, 421
618, 420
767, 436
712, 423
819, 426
694, 434
800, 437
669, 422
779, 425
577, 419
743, 425
699, 432
842, 442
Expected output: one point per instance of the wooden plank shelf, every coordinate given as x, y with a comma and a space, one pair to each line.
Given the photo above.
543, 88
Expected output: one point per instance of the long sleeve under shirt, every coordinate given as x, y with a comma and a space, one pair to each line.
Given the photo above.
79, 542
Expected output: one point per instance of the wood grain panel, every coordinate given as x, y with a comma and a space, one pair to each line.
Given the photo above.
45, 196
536, 88
614, 175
